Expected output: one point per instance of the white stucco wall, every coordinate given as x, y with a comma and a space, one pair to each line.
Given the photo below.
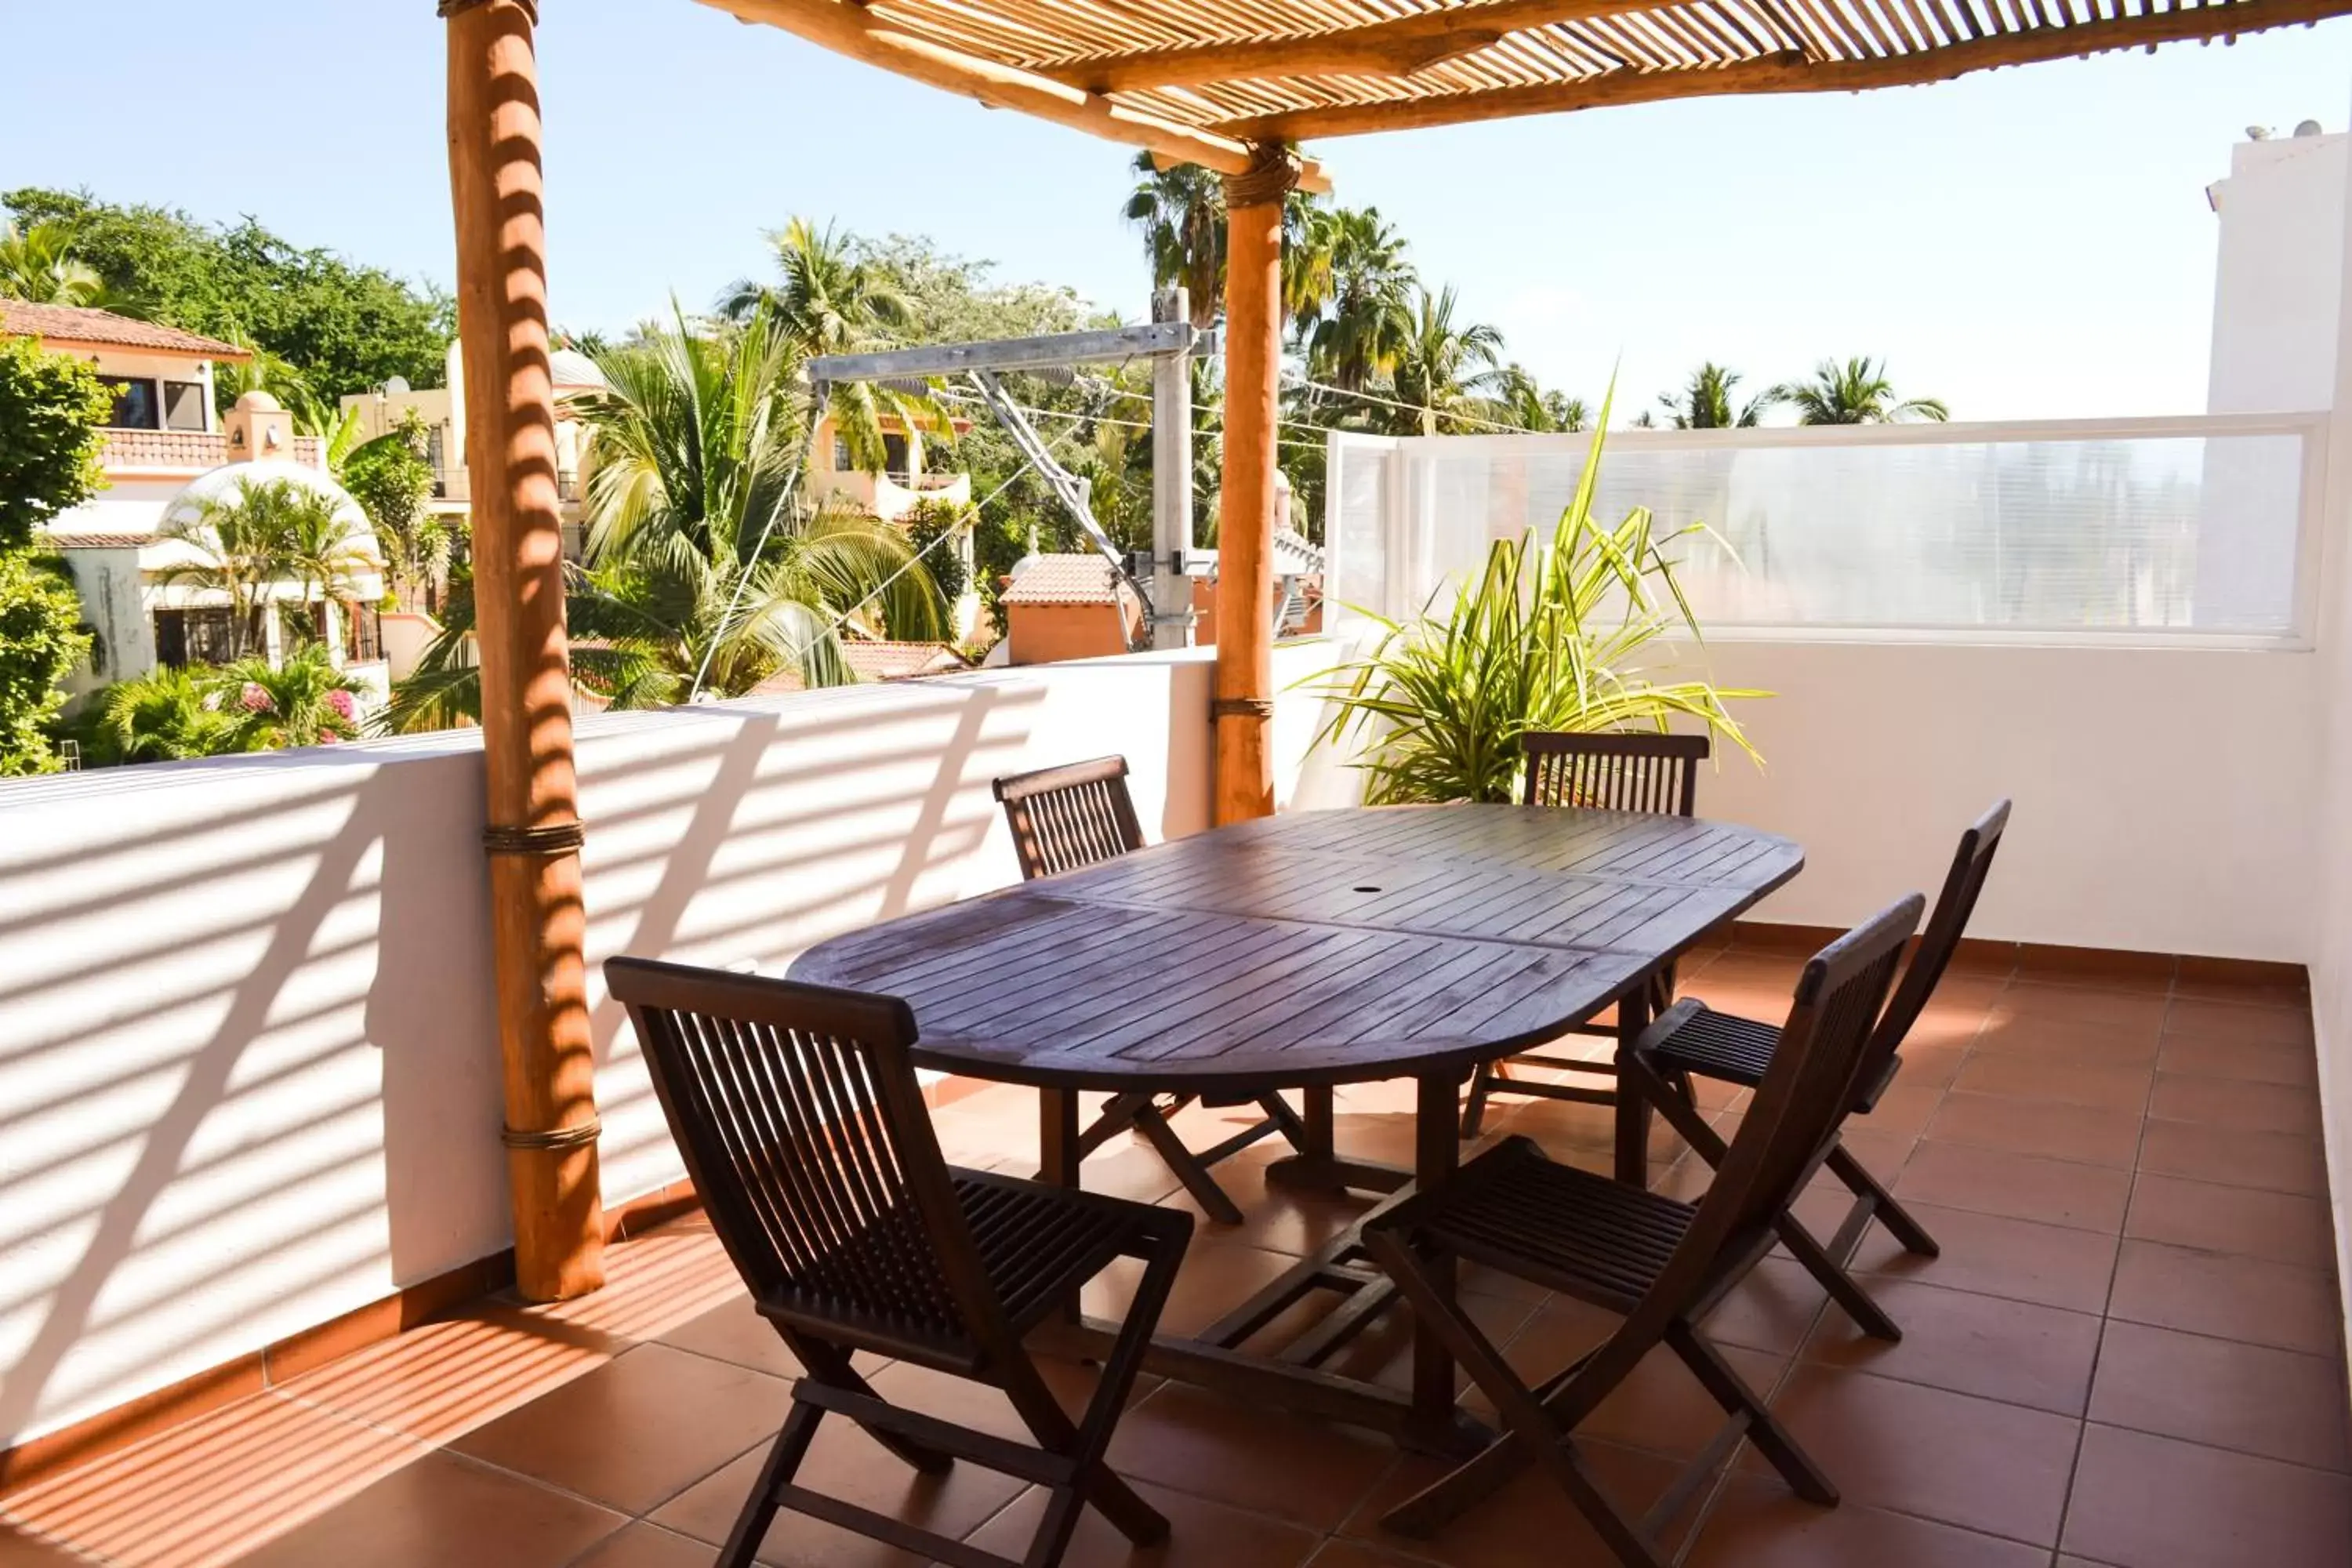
2277, 275
248, 1067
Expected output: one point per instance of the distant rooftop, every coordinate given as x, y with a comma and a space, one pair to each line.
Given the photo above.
1062, 580
104, 329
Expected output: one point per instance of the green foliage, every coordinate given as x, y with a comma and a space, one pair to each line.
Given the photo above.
171, 715
1855, 391
929, 523
1706, 404
263, 532
41, 640
37, 266
391, 478
1556, 634
341, 327
51, 407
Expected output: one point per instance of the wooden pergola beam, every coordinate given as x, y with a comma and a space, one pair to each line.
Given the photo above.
1395, 48
848, 30
1789, 71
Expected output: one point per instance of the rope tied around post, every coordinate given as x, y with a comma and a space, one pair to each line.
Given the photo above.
1273, 173
556, 839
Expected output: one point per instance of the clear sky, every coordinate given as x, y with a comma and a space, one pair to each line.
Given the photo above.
2031, 242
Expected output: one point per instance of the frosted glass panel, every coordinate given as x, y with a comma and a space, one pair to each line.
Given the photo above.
2156, 532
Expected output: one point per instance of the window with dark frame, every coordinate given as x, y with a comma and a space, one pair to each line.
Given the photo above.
135, 406
183, 638
894, 459
184, 405
841, 459
363, 633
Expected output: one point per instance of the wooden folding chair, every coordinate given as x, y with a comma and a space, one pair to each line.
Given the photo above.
1691, 1040
1079, 815
1662, 1264
1648, 772
803, 1125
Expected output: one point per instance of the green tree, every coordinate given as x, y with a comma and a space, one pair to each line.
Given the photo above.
304, 701
1441, 365
1363, 329
1856, 391
930, 526
52, 407
243, 544
166, 715
41, 640
1181, 214
341, 326
36, 266
1519, 399
1706, 402
391, 478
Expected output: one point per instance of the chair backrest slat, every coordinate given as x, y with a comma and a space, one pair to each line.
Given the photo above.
1971, 863
1615, 771
1068, 817
797, 1110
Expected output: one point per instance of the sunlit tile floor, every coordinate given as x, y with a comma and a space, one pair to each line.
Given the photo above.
2129, 1354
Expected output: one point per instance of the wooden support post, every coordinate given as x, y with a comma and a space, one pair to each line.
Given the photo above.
1244, 704
536, 919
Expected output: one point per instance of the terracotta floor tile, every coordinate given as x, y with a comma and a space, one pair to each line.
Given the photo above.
844, 1463
2248, 1397
2239, 1103
2070, 1040
1309, 1472
1342, 1552
2142, 1502
1217, 1275
1772, 1310
984, 1408
2274, 1161
442, 1380
1201, 1534
2238, 1024
1661, 1409
1985, 1345
1278, 1218
2247, 1299
2023, 1260
2276, 1226
1997, 1469
736, 1333
449, 1512
1759, 1525
635, 1433
2190, 985
670, 1276
1906, 1107
1529, 1524
2295, 1065
1933, 1065
2018, 1186
646, 1546
20, 1549
2085, 1133
213, 1489
2110, 1007
2048, 1078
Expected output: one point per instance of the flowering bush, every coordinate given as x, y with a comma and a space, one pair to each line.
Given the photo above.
342, 702
254, 699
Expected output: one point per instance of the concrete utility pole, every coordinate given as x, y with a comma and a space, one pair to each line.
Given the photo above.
1172, 482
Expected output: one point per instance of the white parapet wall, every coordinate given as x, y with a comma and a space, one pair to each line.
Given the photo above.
249, 1060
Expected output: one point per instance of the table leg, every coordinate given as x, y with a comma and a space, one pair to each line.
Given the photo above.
1436, 1155
1059, 1155
1632, 1111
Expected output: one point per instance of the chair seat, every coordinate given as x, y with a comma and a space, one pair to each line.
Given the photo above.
1733, 1049
1517, 1210
1037, 1244
1718, 1045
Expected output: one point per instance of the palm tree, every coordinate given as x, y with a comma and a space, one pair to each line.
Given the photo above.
1441, 367
697, 558
1521, 400
1706, 402
830, 300
1371, 313
243, 544
38, 266
1181, 211
304, 702
1855, 393
166, 715
324, 551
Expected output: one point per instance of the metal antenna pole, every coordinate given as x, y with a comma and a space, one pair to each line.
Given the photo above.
1172, 482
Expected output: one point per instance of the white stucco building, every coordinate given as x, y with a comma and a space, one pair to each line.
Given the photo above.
166, 454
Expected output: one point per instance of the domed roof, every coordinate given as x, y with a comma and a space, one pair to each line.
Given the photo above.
259, 402
569, 368
225, 483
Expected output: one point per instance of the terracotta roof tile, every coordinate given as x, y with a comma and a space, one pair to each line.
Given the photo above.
76, 538
1065, 580
77, 324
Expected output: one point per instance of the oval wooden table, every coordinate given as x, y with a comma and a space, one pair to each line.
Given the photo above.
1301, 952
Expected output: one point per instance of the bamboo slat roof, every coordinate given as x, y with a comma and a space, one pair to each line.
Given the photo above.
1201, 79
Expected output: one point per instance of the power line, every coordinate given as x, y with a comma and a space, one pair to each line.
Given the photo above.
1410, 407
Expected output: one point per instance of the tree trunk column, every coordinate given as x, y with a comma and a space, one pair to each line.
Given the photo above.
1244, 705
536, 919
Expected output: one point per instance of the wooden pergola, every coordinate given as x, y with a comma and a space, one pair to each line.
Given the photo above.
1232, 85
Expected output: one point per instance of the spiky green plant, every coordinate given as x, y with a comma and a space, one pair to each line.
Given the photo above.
1558, 633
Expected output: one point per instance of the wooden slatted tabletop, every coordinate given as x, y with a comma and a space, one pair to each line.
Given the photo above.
1309, 948
1296, 952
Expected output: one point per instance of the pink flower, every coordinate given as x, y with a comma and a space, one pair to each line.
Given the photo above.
329, 738
254, 699
340, 701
